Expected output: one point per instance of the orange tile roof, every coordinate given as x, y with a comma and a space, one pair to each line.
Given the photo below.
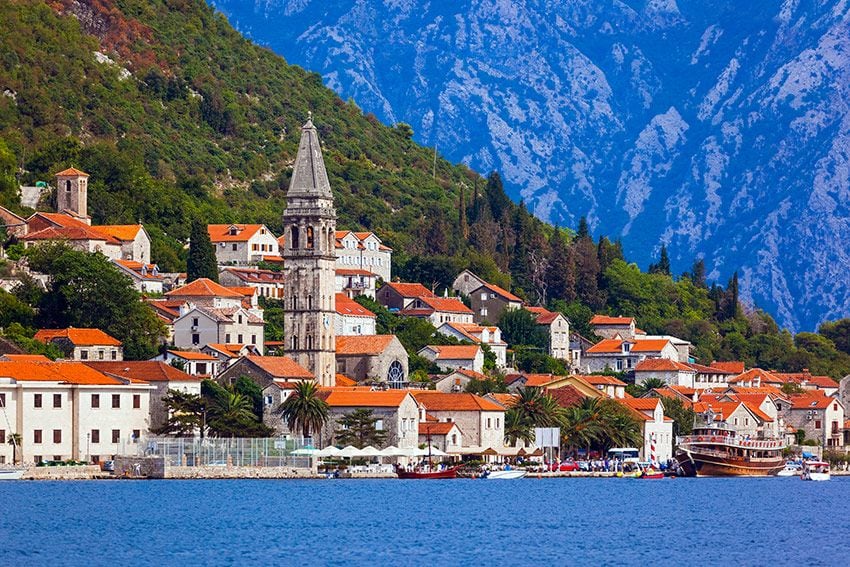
203, 287
606, 346
69, 233
72, 172
61, 220
446, 304
343, 380
661, 365
641, 404
362, 345
143, 371
231, 350
810, 400
470, 374
65, 372
649, 345
538, 380
136, 267
734, 366
501, 292
123, 232
344, 397
280, 367
753, 373
410, 289
702, 369
753, 407
601, 380
566, 396
221, 232
77, 337
354, 272
436, 428
247, 291
454, 352
439, 401
255, 275
822, 381
347, 306
505, 400
24, 358
606, 320
192, 355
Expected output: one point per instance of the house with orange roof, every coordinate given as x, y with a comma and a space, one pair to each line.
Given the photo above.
52, 227
456, 381
489, 301
134, 240
67, 410
671, 372
352, 318
808, 381
557, 329
146, 277
397, 413
466, 282
711, 377
578, 382
268, 283
363, 251
377, 359
757, 378
455, 357
655, 427
478, 334
192, 362
199, 326
396, 296
354, 281
481, 421
83, 344
228, 353
242, 244
685, 395
443, 435
612, 327
204, 292
821, 417
624, 354
438, 310
612, 387
161, 376
264, 370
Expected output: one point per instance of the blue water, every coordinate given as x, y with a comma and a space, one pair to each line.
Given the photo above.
391, 522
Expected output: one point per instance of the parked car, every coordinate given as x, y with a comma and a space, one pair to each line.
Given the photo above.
107, 466
566, 466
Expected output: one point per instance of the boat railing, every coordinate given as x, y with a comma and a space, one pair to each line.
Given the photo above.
732, 441
706, 452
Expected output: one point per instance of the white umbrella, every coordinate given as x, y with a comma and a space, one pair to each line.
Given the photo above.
370, 452
350, 451
390, 451
410, 452
435, 452
330, 451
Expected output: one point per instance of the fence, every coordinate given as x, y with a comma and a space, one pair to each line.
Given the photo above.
233, 452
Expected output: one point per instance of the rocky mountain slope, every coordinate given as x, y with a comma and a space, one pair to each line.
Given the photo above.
717, 127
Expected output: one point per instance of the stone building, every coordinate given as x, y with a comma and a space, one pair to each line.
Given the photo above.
481, 421
819, 415
72, 193
397, 413
83, 344
242, 244
398, 295
309, 262
376, 358
611, 327
557, 329
264, 370
466, 282
352, 318
490, 301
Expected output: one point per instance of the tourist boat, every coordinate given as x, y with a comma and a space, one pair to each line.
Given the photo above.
509, 474
425, 473
717, 450
792, 468
12, 474
815, 470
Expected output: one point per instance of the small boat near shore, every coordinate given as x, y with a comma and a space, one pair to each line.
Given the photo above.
792, 468
12, 473
815, 470
426, 473
510, 474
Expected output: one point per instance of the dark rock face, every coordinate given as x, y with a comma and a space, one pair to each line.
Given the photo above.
718, 127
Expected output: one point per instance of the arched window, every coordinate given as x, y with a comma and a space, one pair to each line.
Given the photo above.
309, 302
395, 376
68, 186
294, 343
309, 342
294, 302
310, 237
294, 244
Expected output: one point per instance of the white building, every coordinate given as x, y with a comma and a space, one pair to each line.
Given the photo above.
672, 372
557, 328
656, 429
352, 318
439, 310
66, 410
624, 354
477, 334
191, 362
481, 422
267, 282
354, 281
146, 277
363, 251
83, 344
242, 244
200, 326
454, 357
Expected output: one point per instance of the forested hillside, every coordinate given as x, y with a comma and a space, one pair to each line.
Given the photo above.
177, 118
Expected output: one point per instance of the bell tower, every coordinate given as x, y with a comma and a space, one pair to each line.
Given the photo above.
309, 260
72, 193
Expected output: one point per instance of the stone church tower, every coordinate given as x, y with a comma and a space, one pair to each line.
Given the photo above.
72, 192
309, 259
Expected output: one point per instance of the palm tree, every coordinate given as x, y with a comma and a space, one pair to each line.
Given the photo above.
305, 409
651, 384
15, 441
517, 428
583, 424
537, 408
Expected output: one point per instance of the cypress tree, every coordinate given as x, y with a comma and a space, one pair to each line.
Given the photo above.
663, 265
583, 229
698, 273
201, 262
732, 297
562, 279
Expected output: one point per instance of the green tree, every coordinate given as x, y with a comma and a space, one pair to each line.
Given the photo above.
838, 332
185, 414
663, 265
359, 428
305, 409
583, 231
519, 327
488, 385
650, 384
202, 262
15, 440
517, 428
537, 408
230, 413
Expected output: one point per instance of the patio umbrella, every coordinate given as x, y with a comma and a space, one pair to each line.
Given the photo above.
330, 451
489, 452
350, 451
410, 452
370, 451
435, 452
391, 451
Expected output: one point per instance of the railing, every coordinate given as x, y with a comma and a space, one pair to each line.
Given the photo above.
732, 441
703, 451
237, 452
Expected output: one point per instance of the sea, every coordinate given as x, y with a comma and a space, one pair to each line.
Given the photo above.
578, 521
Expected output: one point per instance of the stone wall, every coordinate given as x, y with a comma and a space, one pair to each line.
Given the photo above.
77, 472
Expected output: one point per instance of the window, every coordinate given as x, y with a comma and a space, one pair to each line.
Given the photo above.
2, 400
395, 375
36, 400
253, 339
200, 367
84, 355
57, 436
379, 425
116, 401
310, 237
233, 247
136, 435
36, 437
736, 421
294, 342
57, 400
239, 338
196, 339
114, 355
137, 401
100, 355
497, 423
240, 318
454, 438
95, 435
227, 338
489, 423
57, 457
68, 186
293, 242
194, 321
116, 435
817, 424
95, 400
2, 436
619, 364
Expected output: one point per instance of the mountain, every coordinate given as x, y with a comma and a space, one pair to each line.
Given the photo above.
717, 127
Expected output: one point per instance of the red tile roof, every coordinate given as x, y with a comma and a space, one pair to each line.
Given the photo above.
255, 275
662, 365
439, 401
280, 367
436, 428
606, 320
753, 373
410, 289
505, 294
566, 396
344, 397
203, 287
601, 380
363, 345
649, 345
221, 232
66, 371
504, 400
72, 172
77, 337
69, 233
733, 366
343, 380
192, 355
608, 346
24, 358
454, 352
347, 306
702, 369
446, 304
811, 400
123, 232
143, 370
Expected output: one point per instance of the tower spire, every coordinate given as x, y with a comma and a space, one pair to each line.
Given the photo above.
309, 176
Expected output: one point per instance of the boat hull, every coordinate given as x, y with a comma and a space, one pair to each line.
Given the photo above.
505, 475
11, 474
413, 475
815, 476
694, 464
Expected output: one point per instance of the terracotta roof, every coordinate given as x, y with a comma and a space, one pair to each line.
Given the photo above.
702, 369
363, 345
601, 380
649, 345
438, 428
753, 373
280, 367
439, 401
143, 370
505, 400
354, 272
566, 396
78, 337
822, 381
661, 365
69, 233
410, 289
192, 355
538, 380
505, 294
454, 352
61, 220
344, 397
641, 404
811, 400
221, 232
255, 275
347, 306
66, 372
606, 320
470, 374
203, 287
343, 380
246, 291
806, 377
123, 232
606, 346
733, 366
446, 304
72, 172
231, 350
136, 267
24, 358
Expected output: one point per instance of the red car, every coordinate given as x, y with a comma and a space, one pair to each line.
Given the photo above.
566, 466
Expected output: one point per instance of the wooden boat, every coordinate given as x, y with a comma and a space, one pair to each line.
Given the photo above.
717, 450
815, 470
450, 472
505, 475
